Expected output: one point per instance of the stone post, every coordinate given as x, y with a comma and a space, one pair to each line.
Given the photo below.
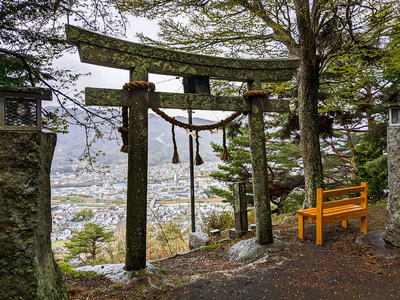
259, 165
240, 208
27, 266
393, 207
136, 215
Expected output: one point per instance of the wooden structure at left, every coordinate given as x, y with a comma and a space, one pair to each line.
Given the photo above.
141, 60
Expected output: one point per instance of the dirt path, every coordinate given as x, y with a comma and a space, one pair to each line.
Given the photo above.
340, 269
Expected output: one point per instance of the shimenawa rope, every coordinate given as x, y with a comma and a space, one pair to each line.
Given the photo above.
124, 129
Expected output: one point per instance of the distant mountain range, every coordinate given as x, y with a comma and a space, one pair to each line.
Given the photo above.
71, 146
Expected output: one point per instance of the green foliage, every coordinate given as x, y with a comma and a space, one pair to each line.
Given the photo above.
226, 195
392, 57
338, 43
65, 268
171, 237
88, 241
69, 271
371, 165
293, 202
251, 216
212, 246
165, 240
218, 220
114, 251
283, 157
83, 214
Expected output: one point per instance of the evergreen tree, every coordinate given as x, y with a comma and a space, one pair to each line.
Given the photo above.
284, 165
83, 214
88, 241
315, 31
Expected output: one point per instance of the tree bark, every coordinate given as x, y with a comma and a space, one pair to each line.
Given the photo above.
308, 85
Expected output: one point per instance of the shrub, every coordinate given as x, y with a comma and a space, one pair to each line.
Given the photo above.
218, 220
165, 240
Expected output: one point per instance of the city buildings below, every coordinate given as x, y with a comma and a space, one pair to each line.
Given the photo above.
165, 182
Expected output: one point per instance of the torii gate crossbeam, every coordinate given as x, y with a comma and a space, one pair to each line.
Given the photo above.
197, 69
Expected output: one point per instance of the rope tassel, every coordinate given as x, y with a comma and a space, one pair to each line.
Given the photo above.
225, 156
175, 158
198, 160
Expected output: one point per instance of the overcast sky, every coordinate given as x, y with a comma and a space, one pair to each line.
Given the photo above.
103, 77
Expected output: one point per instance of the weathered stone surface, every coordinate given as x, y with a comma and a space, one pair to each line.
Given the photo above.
249, 250
215, 232
136, 212
75, 262
379, 247
112, 97
232, 234
9, 90
393, 207
103, 50
259, 166
117, 273
198, 239
27, 266
240, 208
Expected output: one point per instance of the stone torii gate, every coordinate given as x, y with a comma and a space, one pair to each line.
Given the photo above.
197, 70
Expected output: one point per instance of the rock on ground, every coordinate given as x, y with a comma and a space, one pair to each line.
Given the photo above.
377, 241
198, 239
116, 272
248, 250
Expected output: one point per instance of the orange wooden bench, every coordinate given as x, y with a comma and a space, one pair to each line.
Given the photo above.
335, 211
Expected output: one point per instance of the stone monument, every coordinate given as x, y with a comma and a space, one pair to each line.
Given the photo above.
27, 266
393, 207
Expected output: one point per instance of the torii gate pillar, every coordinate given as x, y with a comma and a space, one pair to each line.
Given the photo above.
262, 205
136, 215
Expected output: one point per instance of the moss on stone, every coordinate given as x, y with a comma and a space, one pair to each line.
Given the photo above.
27, 266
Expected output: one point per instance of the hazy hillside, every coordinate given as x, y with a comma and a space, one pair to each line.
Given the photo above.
70, 146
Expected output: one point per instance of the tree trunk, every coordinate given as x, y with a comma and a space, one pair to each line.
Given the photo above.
308, 85
94, 252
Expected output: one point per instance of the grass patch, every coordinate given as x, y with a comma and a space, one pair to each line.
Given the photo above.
213, 246
58, 244
69, 271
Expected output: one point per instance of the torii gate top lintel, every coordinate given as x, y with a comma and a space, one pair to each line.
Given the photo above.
111, 52
106, 51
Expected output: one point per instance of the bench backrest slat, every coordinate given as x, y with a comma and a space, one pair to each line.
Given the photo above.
321, 194
342, 202
344, 191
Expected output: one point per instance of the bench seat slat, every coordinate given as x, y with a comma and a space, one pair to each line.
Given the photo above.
345, 216
313, 211
328, 213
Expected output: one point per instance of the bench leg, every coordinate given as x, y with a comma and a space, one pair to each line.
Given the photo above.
320, 232
301, 227
345, 224
364, 224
